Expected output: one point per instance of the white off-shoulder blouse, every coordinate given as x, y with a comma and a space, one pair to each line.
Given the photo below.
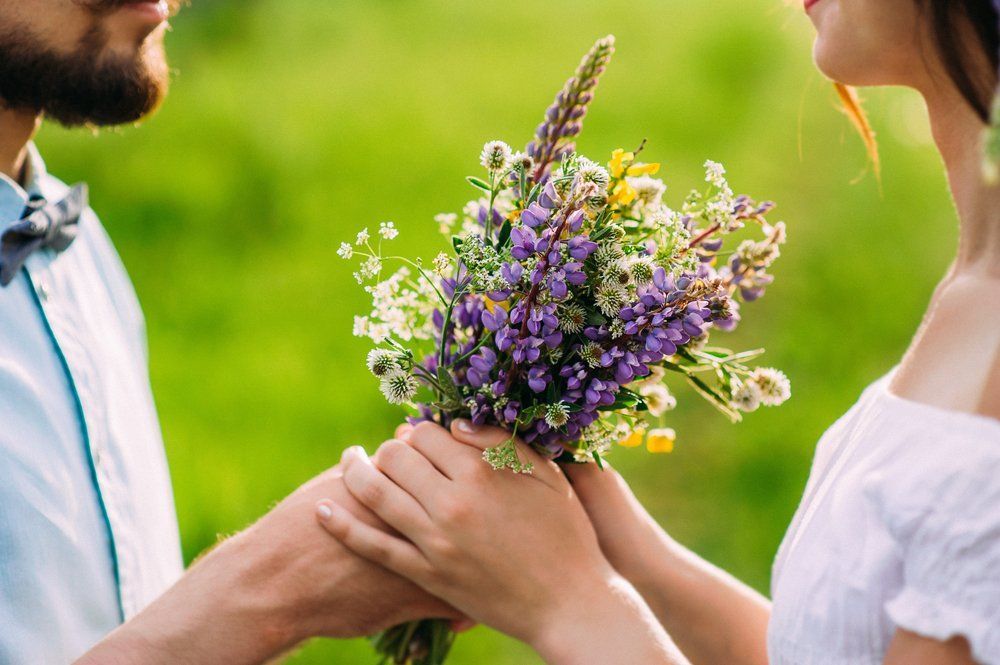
899, 527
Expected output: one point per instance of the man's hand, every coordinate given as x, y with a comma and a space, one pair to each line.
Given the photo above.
269, 587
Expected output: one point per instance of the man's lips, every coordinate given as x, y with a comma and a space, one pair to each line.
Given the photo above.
810, 3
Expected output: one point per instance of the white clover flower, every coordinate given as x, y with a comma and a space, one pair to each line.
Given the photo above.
648, 190
399, 387
658, 399
523, 161
614, 273
642, 268
572, 318
557, 414
363, 237
594, 174
715, 174
609, 253
590, 353
496, 157
442, 263
746, 396
388, 230
446, 222
775, 388
382, 361
611, 298
345, 251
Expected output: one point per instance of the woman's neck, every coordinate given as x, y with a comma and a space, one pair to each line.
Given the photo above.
954, 360
16, 129
958, 133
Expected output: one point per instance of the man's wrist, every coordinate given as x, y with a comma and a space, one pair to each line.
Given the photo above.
221, 610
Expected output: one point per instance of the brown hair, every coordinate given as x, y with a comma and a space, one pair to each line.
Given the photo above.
964, 31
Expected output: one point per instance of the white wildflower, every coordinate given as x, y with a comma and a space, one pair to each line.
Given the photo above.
594, 174
382, 361
658, 398
775, 388
496, 157
611, 298
360, 326
746, 396
345, 251
590, 353
446, 222
572, 318
557, 414
523, 161
363, 237
648, 190
370, 269
399, 387
609, 253
388, 230
642, 268
442, 263
715, 174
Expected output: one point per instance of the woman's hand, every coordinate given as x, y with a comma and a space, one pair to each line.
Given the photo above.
514, 551
715, 618
626, 532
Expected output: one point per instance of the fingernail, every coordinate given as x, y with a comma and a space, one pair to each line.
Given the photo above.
324, 510
465, 426
406, 434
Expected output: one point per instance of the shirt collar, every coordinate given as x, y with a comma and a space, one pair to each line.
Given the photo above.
13, 196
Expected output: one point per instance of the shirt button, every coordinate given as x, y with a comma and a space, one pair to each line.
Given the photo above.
43, 291
97, 455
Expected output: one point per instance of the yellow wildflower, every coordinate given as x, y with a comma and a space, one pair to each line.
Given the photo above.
492, 305
643, 169
661, 440
622, 193
634, 439
619, 160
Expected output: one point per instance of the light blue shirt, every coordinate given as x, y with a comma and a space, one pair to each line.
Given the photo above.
88, 533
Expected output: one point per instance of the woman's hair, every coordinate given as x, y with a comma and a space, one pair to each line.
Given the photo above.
964, 31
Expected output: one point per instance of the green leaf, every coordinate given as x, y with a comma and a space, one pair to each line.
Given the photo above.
479, 183
452, 398
504, 235
600, 462
456, 242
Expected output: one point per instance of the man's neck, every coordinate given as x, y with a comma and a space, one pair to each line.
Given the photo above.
17, 128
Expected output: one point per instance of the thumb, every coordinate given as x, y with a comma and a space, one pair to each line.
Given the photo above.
480, 436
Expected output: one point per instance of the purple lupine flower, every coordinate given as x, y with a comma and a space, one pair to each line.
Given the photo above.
523, 242
538, 378
480, 366
494, 320
581, 246
534, 216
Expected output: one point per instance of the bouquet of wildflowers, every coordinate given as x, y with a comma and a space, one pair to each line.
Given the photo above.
571, 290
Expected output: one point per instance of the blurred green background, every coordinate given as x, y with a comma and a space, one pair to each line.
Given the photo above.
293, 123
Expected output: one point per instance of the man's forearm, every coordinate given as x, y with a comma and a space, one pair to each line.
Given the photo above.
215, 613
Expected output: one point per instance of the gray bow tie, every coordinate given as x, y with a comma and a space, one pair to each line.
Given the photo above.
42, 225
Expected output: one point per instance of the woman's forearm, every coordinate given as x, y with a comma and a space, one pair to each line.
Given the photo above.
608, 624
712, 616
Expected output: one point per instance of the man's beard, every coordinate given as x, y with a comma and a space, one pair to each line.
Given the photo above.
85, 86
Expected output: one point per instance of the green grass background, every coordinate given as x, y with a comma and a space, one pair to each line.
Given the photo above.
292, 123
